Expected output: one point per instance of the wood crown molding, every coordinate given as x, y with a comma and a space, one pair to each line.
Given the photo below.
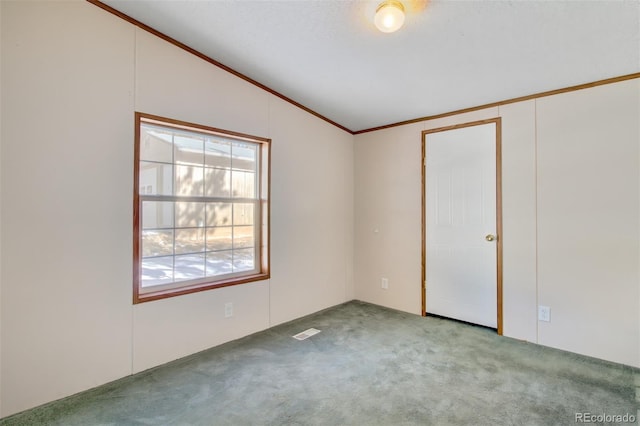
212, 61
505, 102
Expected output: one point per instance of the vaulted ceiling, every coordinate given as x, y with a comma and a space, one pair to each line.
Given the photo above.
328, 56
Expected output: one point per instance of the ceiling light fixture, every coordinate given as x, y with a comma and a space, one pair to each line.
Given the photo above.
389, 16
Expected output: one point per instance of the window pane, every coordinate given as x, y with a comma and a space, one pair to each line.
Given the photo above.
217, 153
219, 238
218, 214
218, 182
243, 213
189, 215
219, 262
243, 184
189, 267
244, 157
156, 178
157, 271
157, 214
200, 212
155, 144
243, 260
157, 243
189, 180
243, 236
189, 150
189, 240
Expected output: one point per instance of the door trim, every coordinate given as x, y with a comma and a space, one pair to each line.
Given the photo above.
498, 123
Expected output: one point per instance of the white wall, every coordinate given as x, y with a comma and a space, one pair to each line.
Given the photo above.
388, 208
570, 173
67, 114
1, 116
72, 77
588, 212
312, 214
519, 220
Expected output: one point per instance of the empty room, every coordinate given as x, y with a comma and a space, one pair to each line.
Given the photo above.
319, 212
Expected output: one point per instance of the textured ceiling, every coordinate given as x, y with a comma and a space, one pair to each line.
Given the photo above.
328, 56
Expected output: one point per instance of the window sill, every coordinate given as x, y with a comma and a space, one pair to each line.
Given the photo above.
164, 294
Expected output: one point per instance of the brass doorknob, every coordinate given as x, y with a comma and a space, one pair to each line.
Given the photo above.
490, 237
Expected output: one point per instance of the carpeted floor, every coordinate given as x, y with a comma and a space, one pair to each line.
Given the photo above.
369, 366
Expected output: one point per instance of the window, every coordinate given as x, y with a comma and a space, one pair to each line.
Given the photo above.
201, 208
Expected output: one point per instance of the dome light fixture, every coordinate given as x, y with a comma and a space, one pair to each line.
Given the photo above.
389, 16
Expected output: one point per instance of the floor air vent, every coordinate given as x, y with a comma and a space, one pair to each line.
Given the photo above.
306, 334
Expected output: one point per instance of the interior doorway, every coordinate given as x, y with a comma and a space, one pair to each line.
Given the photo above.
462, 223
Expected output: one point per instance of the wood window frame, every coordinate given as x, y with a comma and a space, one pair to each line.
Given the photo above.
262, 218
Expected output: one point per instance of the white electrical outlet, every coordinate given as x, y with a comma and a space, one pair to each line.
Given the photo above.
385, 283
544, 313
228, 309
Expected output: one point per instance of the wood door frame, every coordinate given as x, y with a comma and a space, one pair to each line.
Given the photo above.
498, 122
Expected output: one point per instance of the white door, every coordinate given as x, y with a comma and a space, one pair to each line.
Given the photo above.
461, 262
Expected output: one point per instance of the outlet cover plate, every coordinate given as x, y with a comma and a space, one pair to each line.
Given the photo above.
544, 313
